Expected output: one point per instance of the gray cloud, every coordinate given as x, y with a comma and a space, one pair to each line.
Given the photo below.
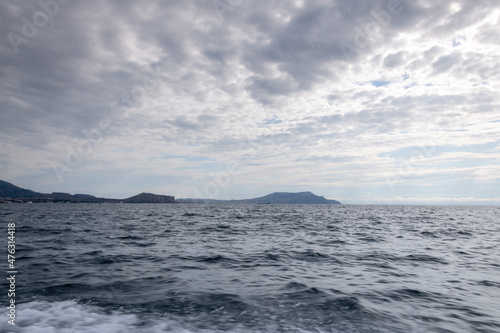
266, 77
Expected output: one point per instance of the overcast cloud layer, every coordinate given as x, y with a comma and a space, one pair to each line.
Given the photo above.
360, 101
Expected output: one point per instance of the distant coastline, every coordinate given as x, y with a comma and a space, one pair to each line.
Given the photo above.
10, 193
14, 194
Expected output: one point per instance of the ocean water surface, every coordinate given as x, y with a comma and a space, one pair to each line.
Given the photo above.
254, 268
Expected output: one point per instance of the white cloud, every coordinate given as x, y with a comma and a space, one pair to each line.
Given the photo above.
268, 86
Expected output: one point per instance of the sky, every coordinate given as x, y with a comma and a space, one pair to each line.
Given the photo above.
382, 102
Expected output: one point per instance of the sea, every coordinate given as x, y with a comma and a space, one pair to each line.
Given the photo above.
147, 268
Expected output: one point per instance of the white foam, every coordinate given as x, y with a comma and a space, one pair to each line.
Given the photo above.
71, 317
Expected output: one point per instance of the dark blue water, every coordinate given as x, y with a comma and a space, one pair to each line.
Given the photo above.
254, 268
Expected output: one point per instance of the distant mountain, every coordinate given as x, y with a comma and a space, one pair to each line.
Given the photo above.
149, 198
290, 198
273, 198
67, 196
11, 192
8, 190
